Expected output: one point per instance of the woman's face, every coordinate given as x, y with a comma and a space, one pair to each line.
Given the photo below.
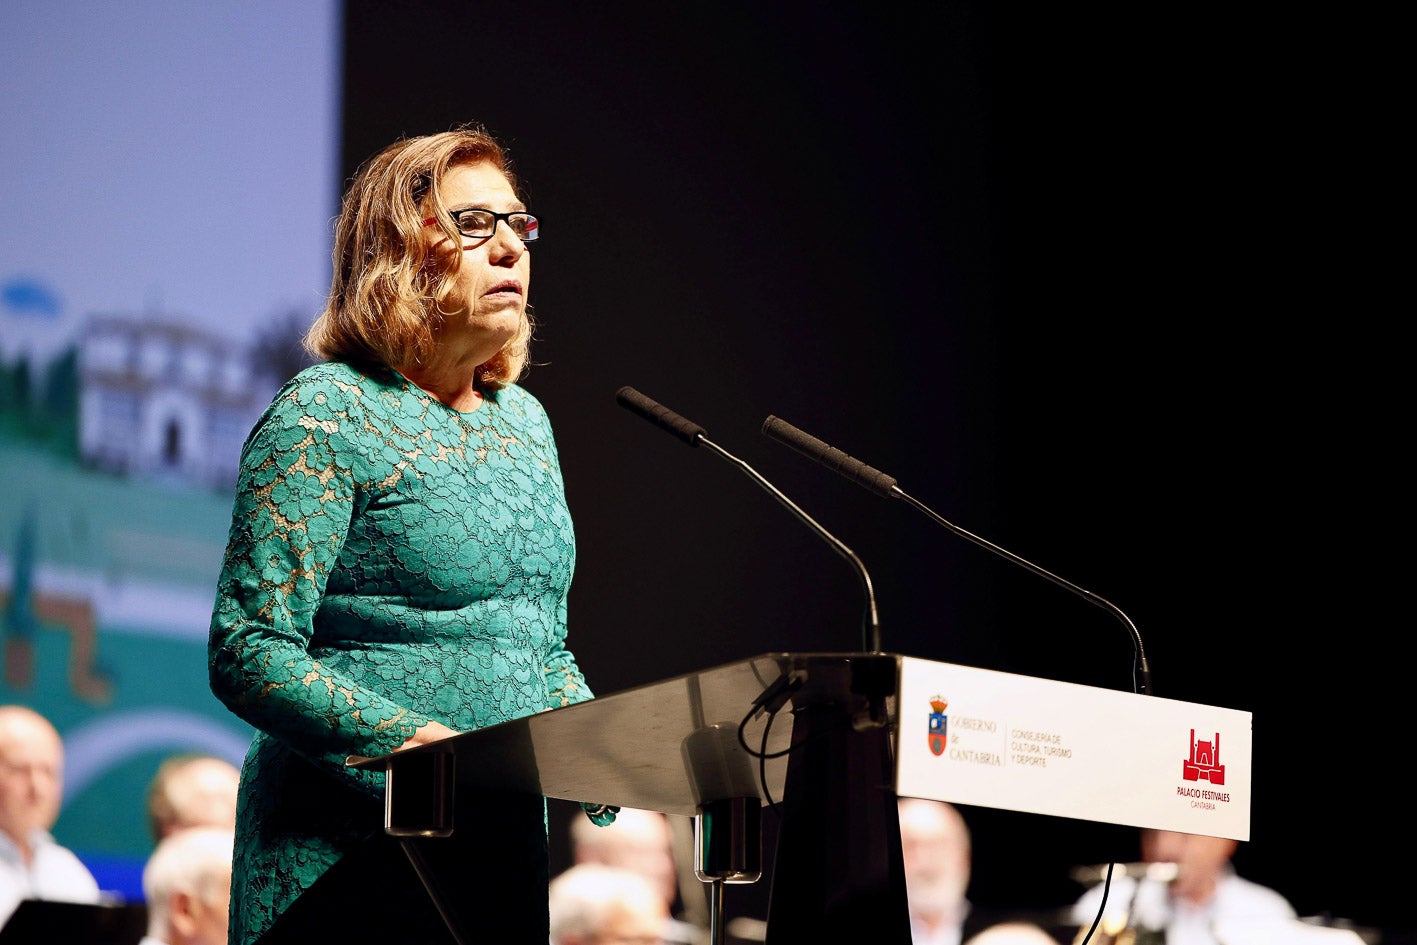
488, 303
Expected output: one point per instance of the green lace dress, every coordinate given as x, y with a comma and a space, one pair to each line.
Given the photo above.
390, 561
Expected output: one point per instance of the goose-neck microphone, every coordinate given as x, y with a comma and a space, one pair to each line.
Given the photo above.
878, 482
694, 435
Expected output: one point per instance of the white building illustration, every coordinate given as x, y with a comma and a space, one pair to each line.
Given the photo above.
166, 401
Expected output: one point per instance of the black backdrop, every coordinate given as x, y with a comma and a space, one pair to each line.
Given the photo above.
1056, 273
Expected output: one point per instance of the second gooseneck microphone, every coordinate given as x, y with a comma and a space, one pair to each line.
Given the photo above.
693, 434
878, 482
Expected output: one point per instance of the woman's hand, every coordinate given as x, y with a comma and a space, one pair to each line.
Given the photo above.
432, 732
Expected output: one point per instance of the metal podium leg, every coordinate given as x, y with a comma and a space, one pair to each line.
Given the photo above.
425, 874
716, 912
728, 848
419, 792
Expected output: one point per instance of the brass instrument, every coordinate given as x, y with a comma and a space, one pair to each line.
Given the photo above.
1118, 928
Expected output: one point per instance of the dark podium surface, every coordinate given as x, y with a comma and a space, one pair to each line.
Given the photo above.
41, 922
667, 746
823, 721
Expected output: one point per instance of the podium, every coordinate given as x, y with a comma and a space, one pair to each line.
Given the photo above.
44, 922
827, 741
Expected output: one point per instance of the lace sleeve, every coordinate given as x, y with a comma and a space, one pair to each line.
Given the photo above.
296, 493
565, 684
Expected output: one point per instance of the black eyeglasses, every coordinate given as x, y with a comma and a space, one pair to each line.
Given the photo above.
480, 224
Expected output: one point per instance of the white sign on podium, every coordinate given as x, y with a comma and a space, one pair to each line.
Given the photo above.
992, 739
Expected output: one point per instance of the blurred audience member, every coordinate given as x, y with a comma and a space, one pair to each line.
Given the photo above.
32, 864
1012, 933
1189, 902
935, 843
187, 886
192, 790
641, 841
596, 904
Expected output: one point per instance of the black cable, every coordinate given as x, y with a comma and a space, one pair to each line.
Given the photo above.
1106, 889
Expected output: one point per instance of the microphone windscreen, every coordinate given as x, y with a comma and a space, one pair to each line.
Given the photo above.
660, 415
829, 456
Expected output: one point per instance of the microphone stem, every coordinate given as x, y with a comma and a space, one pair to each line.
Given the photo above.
1142, 683
871, 624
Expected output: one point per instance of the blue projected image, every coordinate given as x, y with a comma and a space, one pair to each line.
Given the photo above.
169, 178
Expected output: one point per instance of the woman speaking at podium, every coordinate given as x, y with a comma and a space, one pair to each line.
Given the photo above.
397, 566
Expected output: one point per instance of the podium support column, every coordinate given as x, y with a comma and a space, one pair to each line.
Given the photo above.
839, 875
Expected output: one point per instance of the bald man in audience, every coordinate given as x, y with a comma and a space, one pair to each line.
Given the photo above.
936, 847
596, 904
32, 864
192, 790
187, 887
641, 841
1012, 933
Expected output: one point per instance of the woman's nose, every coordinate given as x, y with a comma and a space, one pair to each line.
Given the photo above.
505, 244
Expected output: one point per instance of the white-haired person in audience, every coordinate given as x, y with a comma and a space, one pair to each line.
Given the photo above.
1012, 933
936, 847
32, 864
192, 789
596, 904
642, 841
187, 886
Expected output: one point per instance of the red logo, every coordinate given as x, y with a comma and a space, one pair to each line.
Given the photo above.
1204, 763
938, 725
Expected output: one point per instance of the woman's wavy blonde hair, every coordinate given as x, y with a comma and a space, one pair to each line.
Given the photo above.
385, 299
